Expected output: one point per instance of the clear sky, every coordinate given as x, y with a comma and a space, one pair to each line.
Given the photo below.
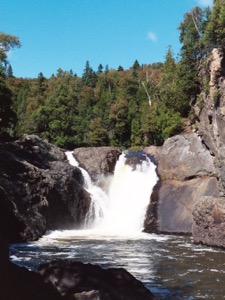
66, 33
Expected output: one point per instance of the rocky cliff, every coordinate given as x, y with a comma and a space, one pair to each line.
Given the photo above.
209, 213
189, 198
39, 190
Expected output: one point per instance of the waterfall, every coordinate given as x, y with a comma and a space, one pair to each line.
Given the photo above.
121, 208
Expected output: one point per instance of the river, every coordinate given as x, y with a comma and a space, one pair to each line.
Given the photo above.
172, 267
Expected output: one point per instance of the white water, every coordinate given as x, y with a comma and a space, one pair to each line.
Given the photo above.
121, 209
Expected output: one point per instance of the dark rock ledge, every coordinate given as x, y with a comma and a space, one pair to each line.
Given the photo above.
69, 280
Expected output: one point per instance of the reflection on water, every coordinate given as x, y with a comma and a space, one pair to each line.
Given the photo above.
170, 266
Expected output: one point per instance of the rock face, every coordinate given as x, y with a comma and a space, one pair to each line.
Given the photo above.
39, 190
186, 172
173, 202
97, 160
184, 157
212, 115
209, 221
86, 281
209, 212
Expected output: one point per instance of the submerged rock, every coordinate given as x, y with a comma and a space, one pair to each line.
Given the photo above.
87, 281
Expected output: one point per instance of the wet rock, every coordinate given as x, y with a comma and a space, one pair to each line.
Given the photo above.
97, 160
84, 281
134, 158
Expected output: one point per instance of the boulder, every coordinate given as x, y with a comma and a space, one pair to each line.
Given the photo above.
184, 157
186, 171
209, 221
39, 190
97, 160
87, 281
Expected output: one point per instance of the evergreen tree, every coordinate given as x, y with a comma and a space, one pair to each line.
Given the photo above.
9, 71
191, 33
89, 77
215, 30
135, 68
170, 89
120, 68
100, 69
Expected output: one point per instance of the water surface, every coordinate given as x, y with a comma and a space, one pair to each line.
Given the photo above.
170, 266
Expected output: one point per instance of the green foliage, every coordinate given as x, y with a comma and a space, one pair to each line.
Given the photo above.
7, 115
215, 29
7, 42
193, 51
127, 108
171, 91
159, 123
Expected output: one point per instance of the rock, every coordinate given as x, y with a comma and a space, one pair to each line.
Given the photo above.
87, 280
172, 204
216, 69
212, 121
91, 295
21, 284
69, 280
184, 157
186, 171
39, 190
209, 221
97, 160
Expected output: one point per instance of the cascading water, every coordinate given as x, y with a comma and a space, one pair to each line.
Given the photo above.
122, 208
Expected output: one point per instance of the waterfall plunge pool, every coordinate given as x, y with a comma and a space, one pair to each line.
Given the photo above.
170, 266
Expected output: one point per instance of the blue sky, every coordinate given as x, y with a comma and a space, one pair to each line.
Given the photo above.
66, 33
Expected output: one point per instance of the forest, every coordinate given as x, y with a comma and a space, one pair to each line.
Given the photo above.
131, 108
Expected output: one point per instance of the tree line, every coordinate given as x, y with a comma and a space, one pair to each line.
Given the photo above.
127, 108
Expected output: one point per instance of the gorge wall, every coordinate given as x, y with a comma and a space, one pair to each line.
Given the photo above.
190, 195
